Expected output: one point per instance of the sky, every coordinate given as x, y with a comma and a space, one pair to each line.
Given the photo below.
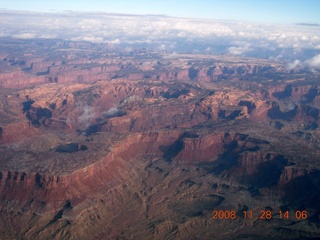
262, 11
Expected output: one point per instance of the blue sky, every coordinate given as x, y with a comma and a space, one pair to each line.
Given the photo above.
267, 11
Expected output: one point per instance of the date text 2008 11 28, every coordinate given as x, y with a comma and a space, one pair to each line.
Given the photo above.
263, 214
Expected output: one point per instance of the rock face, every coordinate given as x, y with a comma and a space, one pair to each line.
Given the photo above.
103, 145
16, 131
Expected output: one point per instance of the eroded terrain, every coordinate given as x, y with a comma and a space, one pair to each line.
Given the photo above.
103, 143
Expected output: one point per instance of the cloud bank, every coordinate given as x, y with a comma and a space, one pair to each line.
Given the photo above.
168, 34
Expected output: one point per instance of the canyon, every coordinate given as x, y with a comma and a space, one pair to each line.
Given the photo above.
98, 142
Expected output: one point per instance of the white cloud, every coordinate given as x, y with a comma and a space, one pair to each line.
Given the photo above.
171, 56
116, 41
86, 116
90, 38
113, 112
239, 50
293, 65
314, 62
